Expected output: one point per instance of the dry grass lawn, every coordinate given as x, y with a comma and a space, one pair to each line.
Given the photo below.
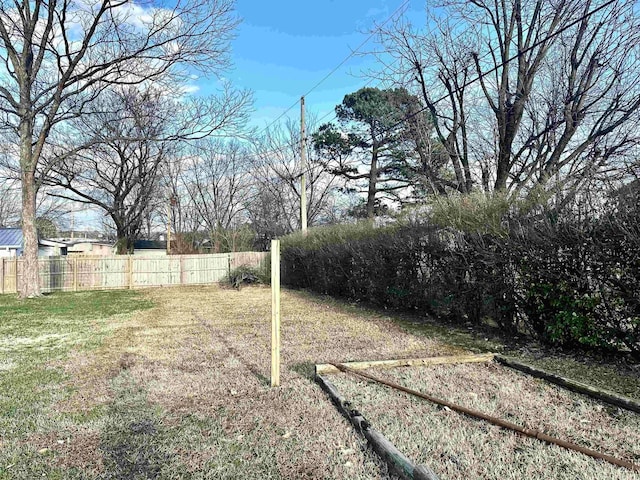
459, 447
179, 388
217, 366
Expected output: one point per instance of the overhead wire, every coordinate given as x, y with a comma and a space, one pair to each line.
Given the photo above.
319, 120
400, 10
481, 75
296, 142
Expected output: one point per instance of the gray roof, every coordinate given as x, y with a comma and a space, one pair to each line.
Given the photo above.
149, 245
11, 237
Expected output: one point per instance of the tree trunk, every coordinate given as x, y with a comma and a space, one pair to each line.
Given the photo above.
373, 180
124, 241
504, 158
502, 174
29, 285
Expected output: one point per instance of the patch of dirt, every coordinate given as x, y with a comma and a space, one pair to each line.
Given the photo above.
71, 448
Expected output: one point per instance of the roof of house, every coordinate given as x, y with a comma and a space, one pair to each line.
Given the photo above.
149, 245
11, 237
82, 241
51, 243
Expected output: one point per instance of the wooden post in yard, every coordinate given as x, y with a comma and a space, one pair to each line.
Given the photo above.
303, 167
275, 313
2, 277
182, 280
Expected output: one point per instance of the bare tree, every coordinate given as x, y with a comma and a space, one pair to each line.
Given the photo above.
275, 209
437, 66
47, 207
218, 185
131, 134
9, 204
525, 94
58, 56
173, 196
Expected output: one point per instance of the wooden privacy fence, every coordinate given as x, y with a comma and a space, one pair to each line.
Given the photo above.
76, 273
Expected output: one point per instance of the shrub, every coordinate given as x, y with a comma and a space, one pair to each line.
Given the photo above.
569, 283
244, 275
412, 266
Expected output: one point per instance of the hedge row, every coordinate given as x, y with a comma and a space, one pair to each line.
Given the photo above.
567, 283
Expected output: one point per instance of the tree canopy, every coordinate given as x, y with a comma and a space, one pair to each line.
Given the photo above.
371, 145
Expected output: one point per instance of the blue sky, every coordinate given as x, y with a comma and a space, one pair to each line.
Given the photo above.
284, 47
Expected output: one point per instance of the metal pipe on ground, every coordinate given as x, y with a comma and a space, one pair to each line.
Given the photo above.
497, 421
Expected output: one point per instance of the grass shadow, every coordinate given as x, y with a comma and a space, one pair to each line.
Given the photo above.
252, 367
134, 443
306, 370
615, 372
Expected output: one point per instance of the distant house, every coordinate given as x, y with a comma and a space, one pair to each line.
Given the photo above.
92, 235
51, 248
12, 244
89, 247
155, 248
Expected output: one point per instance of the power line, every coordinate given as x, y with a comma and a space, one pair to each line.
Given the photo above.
372, 78
310, 136
333, 112
467, 83
502, 64
391, 64
278, 117
259, 156
400, 9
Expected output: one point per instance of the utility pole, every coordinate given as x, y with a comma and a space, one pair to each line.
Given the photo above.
169, 228
73, 217
172, 202
303, 162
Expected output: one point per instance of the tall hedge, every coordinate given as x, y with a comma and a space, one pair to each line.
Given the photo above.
567, 283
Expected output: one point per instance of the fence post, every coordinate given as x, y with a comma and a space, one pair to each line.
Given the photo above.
275, 313
182, 280
75, 274
2, 277
16, 272
130, 270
